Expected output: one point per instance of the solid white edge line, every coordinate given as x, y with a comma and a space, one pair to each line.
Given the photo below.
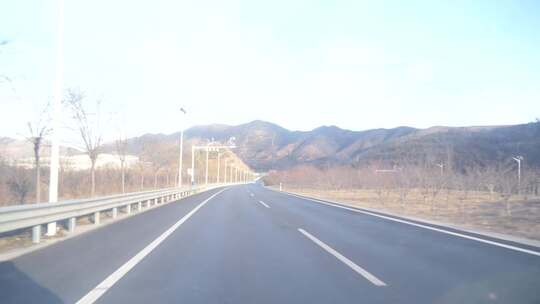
370, 277
421, 226
264, 204
102, 287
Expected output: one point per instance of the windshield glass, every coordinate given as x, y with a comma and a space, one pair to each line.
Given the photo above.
269, 151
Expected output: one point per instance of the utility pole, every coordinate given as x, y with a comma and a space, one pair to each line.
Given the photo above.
57, 99
518, 159
180, 161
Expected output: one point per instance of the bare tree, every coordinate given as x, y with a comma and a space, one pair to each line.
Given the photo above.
37, 132
19, 185
157, 170
141, 167
121, 151
403, 186
5, 78
88, 129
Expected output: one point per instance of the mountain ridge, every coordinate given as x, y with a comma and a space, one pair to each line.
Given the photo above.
265, 145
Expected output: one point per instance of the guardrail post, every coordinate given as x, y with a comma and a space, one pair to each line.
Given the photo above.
114, 212
96, 218
72, 221
139, 206
36, 234
128, 208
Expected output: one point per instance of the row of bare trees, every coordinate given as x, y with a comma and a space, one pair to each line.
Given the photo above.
86, 122
17, 183
500, 182
157, 168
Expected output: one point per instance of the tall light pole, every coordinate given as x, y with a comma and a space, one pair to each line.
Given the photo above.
57, 99
230, 172
441, 165
181, 160
218, 165
225, 175
206, 175
208, 148
518, 159
192, 165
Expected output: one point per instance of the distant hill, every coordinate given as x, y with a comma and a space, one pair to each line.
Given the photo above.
264, 145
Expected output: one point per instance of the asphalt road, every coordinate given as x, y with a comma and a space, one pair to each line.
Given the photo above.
248, 244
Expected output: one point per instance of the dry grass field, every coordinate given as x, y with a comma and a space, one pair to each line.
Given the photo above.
519, 217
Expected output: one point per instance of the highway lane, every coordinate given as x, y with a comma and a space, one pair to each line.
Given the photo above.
420, 265
249, 244
245, 251
65, 271
236, 251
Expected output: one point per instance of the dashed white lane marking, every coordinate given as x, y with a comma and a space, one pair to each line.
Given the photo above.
373, 279
264, 204
422, 226
109, 282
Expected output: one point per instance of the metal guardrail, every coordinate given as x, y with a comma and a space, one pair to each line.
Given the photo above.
25, 216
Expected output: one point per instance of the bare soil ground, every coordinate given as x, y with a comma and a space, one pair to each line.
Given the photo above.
472, 210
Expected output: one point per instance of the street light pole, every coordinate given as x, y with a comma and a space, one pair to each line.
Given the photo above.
218, 165
55, 140
180, 162
225, 175
441, 165
518, 159
206, 176
192, 165
208, 148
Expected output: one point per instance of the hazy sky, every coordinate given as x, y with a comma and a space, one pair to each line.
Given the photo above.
301, 64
